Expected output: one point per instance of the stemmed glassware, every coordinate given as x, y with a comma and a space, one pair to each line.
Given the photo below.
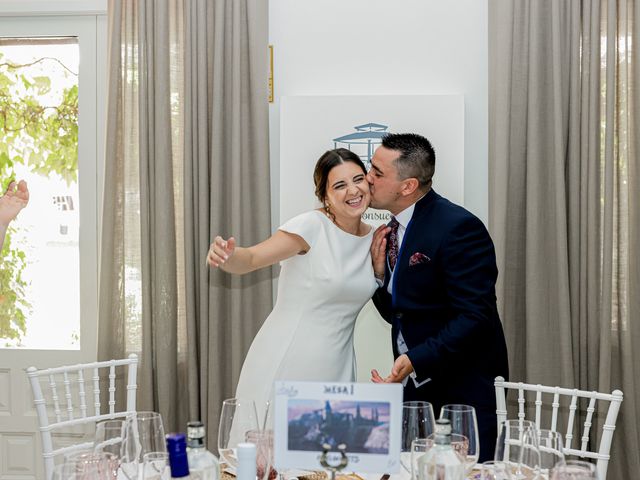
109, 436
464, 422
418, 421
529, 464
493, 470
574, 470
238, 417
510, 445
155, 466
150, 432
550, 450
143, 433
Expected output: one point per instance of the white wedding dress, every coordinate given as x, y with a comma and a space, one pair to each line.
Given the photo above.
309, 334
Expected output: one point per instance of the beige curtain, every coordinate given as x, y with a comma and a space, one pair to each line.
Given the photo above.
142, 234
564, 197
226, 190
187, 158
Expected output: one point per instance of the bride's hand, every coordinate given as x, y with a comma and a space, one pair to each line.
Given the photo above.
379, 250
220, 251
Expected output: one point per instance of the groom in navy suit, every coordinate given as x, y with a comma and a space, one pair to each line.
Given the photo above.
436, 268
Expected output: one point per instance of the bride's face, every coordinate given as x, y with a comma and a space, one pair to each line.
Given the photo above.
347, 191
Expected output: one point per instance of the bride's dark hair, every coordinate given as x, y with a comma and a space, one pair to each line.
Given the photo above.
325, 163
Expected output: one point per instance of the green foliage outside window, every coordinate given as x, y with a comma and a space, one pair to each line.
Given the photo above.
44, 137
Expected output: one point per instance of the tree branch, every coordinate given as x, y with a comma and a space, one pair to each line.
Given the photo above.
15, 66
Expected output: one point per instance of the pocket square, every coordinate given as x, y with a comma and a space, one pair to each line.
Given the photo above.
418, 258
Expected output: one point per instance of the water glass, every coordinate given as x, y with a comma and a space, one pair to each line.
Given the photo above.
238, 416
418, 448
574, 470
155, 466
263, 441
459, 443
493, 470
418, 421
109, 436
464, 422
92, 465
550, 449
144, 433
509, 445
150, 433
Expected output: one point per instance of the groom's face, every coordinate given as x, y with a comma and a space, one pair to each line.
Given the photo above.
383, 179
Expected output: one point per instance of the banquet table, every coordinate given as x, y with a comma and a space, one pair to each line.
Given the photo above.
321, 475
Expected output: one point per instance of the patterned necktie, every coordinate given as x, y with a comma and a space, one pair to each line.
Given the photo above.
393, 242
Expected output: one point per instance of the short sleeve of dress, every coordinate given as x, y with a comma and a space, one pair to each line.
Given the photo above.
307, 225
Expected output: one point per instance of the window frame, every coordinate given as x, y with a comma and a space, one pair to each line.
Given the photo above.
87, 20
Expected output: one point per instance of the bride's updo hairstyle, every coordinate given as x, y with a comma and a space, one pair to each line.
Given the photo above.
325, 163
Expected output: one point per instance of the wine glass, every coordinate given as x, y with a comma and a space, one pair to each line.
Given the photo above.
150, 432
144, 433
509, 445
238, 416
574, 470
492, 470
550, 448
464, 422
155, 466
529, 464
417, 422
109, 436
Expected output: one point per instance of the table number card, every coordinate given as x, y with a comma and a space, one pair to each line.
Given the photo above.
366, 417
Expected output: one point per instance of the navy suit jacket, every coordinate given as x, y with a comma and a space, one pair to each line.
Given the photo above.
445, 306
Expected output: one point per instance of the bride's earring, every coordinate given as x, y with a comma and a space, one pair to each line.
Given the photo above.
330, 216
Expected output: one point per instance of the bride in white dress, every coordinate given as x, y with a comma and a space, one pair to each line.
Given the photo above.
326, 279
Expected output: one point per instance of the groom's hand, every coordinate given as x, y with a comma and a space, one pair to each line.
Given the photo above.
379, 251
401, 369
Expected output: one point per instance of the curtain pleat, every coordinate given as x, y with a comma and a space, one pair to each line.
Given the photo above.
227, 192
564, 206
187, 158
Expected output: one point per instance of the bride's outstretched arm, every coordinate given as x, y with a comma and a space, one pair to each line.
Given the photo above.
224, 254
15, 199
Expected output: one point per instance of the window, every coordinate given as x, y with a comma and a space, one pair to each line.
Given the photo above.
48, 280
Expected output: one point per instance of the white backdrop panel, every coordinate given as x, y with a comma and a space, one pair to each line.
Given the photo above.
308, 127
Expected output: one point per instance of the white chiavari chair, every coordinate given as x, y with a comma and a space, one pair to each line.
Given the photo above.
73, 392
571, 397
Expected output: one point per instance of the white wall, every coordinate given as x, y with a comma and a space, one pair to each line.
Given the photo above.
386, 47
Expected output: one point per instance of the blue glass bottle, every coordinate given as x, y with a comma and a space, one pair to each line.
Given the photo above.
178, 460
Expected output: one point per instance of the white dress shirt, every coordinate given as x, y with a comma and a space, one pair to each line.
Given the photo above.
403, 218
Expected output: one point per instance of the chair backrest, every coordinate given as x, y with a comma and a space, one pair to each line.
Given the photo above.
78, 400
555, 394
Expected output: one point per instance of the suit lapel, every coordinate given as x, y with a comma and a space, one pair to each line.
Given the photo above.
420, 209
